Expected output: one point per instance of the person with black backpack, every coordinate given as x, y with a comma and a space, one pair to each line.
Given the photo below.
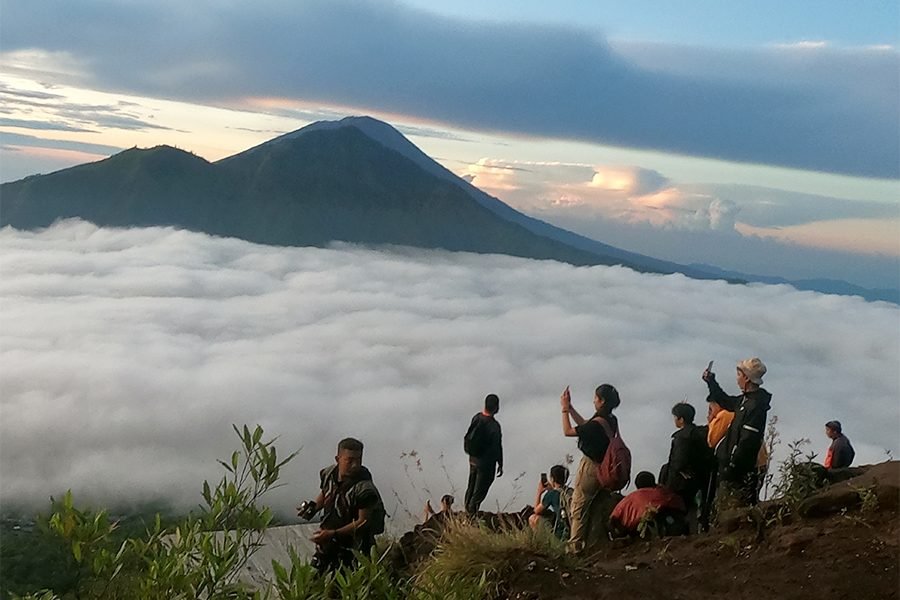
690, 461
592, 499
353, 510
483, 443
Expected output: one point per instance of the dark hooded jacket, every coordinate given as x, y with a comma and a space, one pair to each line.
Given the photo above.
690, 461
739, 449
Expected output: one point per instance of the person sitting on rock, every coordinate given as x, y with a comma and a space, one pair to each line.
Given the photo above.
551, 506
446, 508
840, 454
650, 502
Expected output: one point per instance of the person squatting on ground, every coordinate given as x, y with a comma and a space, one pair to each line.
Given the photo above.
739, 452
591, 504
353, 510
840, 453
690, 461
483, 443
551, 505
666, 507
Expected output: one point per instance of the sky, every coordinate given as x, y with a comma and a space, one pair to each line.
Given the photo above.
126, 356
763, 138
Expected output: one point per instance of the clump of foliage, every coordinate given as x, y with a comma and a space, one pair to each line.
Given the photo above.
204, 554
648, 526
798, 478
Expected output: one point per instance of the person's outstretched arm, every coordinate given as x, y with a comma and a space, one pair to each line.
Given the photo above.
729, 403
565, 402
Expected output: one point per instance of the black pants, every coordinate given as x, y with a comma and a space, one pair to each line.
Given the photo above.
480, 480
333, 556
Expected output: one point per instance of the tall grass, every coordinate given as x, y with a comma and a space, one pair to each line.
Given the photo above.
472, 553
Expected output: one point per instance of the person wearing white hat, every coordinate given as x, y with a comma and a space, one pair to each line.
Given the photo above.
737, 464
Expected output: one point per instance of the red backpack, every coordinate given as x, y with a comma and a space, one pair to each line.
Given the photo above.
614, 471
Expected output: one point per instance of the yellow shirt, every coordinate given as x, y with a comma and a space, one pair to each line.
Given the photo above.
718, 427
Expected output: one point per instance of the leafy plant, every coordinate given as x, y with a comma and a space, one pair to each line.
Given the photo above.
204, 555
868, 500
771, 441
201, 556
798, 479
648, 526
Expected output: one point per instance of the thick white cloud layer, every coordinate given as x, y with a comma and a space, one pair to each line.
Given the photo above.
125, 356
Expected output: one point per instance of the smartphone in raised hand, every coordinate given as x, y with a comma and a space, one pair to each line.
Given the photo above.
543, 480
709, 367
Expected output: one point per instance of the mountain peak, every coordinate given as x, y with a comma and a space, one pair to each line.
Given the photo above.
380, 131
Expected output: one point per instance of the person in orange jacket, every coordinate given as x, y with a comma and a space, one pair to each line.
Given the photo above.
718, 422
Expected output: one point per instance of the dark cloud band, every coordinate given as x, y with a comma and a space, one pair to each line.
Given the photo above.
527, 79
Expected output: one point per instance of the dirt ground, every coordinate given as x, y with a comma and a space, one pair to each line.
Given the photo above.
832, 558
841, 549
847, 554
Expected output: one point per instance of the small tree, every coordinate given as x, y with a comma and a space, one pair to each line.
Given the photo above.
200, 557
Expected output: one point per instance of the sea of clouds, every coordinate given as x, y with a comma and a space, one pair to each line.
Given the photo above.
126, 356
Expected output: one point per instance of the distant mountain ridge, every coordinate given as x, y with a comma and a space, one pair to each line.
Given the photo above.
356, 180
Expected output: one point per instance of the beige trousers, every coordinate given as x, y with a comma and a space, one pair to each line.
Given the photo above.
590, 509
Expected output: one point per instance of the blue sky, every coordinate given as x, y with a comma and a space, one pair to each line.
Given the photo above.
704, 23
769, 130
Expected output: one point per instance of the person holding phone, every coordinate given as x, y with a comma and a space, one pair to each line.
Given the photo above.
591, 502
551, 505
739, 450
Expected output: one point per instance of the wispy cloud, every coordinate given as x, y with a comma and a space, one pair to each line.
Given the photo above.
19, 139
803, 45
42, 125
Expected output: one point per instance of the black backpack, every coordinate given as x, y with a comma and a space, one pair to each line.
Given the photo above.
377, 513
474, 441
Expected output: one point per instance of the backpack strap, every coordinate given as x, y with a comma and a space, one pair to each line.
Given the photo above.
605, 424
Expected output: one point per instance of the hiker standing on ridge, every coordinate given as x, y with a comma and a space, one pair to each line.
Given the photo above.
840, 454
738, 455
690, 460
591, 503
353, 510
484, 444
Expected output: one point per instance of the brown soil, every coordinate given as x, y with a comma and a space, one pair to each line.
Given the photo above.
840, 553
837, 557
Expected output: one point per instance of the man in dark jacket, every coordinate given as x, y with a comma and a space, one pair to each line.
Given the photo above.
484, 444
740, 448
840, 454
690, 459
353, 510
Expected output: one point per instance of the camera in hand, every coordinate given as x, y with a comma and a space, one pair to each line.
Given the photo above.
307, 510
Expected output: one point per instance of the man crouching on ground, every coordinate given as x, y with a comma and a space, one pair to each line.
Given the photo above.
353, 510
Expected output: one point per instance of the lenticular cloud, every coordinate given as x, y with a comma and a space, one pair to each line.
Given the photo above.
126, 355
